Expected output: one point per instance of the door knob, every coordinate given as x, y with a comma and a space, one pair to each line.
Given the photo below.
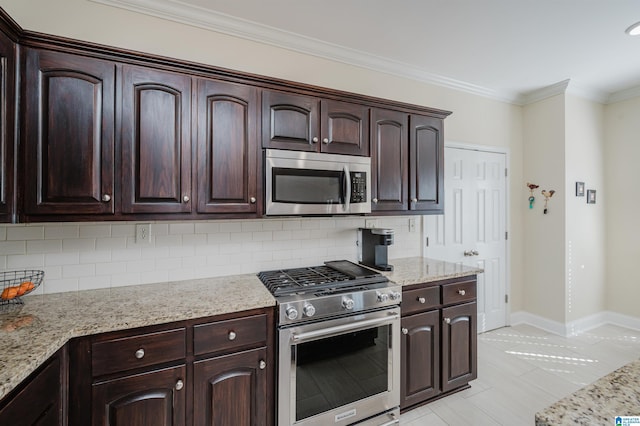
471, 253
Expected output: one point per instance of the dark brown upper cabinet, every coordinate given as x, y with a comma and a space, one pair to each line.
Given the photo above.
7, 120
68, 134
306, 123
389, 160
426, 168
227, 148
156, 141
407, 154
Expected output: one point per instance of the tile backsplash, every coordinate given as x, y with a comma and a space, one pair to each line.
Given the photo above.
81, 256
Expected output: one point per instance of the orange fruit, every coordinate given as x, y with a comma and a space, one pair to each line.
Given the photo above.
9, 293
25, 287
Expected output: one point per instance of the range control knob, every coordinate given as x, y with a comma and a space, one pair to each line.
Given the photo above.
395, 295
382, 297
309, 310
291, 313
347, 303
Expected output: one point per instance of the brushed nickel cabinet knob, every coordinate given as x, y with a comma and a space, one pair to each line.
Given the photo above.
106, 198
232, 335
179, 385
140, 353
186, 198
262, 364
252, 200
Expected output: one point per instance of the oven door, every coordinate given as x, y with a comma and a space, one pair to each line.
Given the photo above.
340, 371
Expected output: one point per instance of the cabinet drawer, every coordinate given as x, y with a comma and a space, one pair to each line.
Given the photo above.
142, 350
458, 292
227, 335
420, 299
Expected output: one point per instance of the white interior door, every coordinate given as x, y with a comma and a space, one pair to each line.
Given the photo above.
473, 228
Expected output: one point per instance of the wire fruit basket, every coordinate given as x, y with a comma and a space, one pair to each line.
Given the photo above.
15, 284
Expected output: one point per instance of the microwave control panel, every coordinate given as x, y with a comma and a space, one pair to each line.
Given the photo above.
358, 187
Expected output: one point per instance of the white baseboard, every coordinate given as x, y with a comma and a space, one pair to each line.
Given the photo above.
578, 326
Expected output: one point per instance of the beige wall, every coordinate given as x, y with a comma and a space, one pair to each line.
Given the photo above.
544, 251
585, 223
622, 195
475, 120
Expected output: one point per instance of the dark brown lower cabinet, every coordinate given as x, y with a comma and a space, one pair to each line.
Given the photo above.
459, 345
420, 347
155, 398
231, 390
439, 340
39, 400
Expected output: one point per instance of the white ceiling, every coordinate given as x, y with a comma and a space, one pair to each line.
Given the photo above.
504, 49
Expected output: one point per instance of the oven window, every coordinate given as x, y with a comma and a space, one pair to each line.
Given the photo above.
339, 370
307, 186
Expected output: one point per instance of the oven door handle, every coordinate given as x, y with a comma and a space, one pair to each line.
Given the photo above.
310, 335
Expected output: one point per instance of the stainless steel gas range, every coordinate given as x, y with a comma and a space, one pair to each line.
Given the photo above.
338, 345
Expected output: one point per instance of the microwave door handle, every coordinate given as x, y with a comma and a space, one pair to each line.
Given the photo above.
347, 187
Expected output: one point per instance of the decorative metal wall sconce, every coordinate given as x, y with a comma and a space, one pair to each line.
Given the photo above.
532, 187
547, 195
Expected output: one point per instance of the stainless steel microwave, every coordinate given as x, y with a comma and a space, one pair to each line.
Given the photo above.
310, 183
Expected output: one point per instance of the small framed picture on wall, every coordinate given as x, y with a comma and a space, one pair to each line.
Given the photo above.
591, 196
579, 189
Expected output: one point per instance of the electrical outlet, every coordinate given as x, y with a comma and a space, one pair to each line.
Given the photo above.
143, 233
412, 224
370, 223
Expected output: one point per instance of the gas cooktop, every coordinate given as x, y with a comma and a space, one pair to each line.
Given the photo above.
332, 275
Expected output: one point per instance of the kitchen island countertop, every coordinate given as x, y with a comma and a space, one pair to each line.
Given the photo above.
30, 334
616, 394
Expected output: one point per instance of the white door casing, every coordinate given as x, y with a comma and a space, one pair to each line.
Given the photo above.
472, 230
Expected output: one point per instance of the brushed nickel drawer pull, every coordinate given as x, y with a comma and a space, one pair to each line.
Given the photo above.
140, 353
422, 300
462, 292
232, 335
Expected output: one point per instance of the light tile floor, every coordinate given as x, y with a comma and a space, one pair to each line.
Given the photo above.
522, 370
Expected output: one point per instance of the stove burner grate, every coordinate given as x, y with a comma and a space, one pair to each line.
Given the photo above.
300, 280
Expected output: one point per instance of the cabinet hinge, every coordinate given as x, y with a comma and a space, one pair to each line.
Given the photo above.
427, 242
506, 235
506, 172
506, 298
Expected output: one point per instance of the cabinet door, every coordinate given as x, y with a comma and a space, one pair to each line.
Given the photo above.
7, 117
68, 134
345, 128
426, 153
227, 148
290, 121
389, 160
231, 390
156, 398
39, 402
459, 345
420, 349
156, 141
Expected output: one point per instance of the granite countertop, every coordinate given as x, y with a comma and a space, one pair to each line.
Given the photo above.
616, 394
416, 270
30, 334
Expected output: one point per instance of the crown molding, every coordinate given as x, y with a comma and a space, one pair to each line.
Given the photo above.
624, 95
559, 88
177, 11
